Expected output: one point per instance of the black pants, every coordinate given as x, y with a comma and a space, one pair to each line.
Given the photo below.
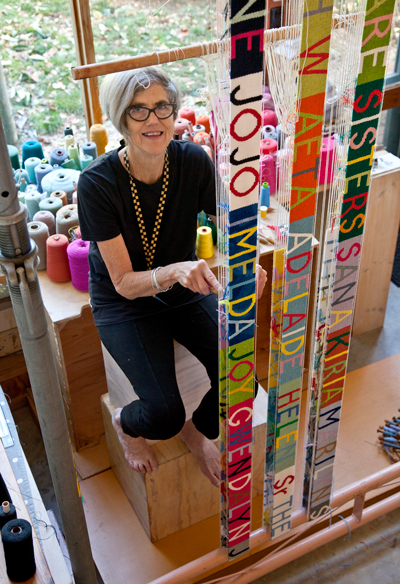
144, 351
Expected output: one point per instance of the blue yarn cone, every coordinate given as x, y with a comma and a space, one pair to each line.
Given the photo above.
58, 156
32, 149
13, 154
40, 171
264, 195
20, 173
90, 148
30, 164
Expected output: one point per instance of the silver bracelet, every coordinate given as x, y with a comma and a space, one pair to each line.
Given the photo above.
154, 282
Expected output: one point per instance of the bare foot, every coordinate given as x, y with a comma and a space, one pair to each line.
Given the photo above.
137, 452
205, 451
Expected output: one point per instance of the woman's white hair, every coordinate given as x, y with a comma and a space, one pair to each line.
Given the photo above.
118, 90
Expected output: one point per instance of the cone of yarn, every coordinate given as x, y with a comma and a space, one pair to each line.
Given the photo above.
269, 118
69, 139
57, 258
21, 197
98, 135
78, 252
21, 173
75, 198
58, 156
40, 171
204, 243
32, 201
73, 153
204, 121
32, 149
61, 180
268, 172
50, 204
188, 114
90, 149
39, 232
65, 219
62, 195
86, 159
201, 138
68, 131
69, 163
186, 137
70, 207
197, 128
48, 218
13, 154
268, 146
30, 164
180, 125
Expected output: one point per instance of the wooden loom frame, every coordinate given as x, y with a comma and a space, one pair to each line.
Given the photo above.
322, 531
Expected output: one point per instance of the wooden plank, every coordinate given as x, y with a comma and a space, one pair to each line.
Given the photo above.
391, 97
90, 57
381, 232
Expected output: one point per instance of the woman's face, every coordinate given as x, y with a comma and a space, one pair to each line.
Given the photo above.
152, 136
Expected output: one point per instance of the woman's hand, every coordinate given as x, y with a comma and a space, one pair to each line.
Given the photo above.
261, 276
196, 276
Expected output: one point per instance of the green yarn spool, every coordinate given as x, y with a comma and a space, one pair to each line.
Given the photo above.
51, 204
69, 164
86, 159
73, 153
30, 164
13, 154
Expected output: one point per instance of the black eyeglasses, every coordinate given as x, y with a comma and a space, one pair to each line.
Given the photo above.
141, 113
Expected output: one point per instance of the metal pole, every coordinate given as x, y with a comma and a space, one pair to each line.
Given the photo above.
18, 261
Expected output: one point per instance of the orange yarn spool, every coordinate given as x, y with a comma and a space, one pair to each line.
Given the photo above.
204, 121
188, 114
200, 138
57, 258
98, 135
60, 195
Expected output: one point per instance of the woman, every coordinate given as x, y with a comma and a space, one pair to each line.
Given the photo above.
138, 206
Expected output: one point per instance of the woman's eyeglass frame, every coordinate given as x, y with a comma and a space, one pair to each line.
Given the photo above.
149, 111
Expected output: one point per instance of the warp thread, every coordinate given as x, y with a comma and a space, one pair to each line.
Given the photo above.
98, 135
48, 218
18, 543
57, 258
51, 204
78, 252
39, 233
65, 219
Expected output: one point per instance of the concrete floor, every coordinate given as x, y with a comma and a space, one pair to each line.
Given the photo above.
371, 556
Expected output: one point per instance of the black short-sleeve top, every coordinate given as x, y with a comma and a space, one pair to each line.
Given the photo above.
106, 210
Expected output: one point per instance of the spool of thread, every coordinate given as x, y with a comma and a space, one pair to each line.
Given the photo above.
86, 159
264, 198
39, 232
75, 198
4, 492
204, 243
327, 157
210, 223
90, 149
18, 550
270, 136
186, 137
14, 157
268, 129
268, 172
32, 201
269, 118
98, 135
61, 180
32, 149
21, 197
73, 153
58, 156
69, 139
57, 258
202, 138
65, 219
268, 146
30, 165
69, 163
19, 174
22, 186
204, 121
187, 113
68, 131
198, 128
62, 195
51, 204
263, 212
180, 125
78, 252
267, 103
40, 171
48, 218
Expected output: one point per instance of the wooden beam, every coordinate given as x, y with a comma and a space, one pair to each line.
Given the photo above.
391, 97
90, 57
